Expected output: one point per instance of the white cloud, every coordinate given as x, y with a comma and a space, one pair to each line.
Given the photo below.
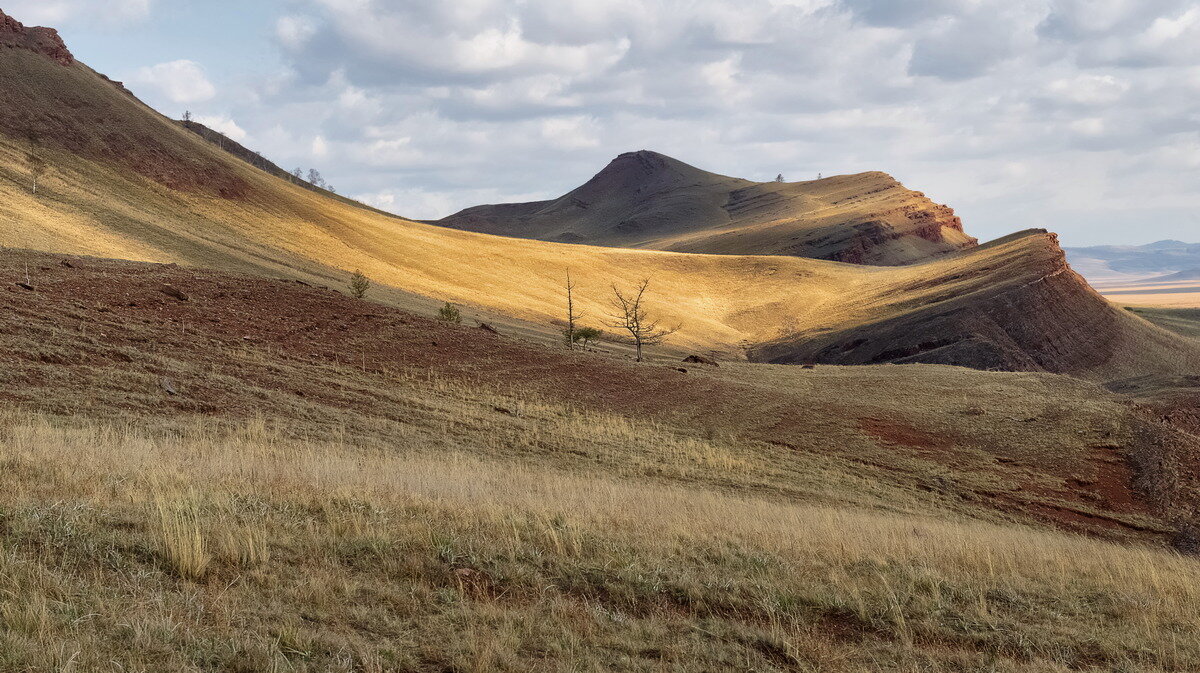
60, 12
1016, 112
180, 81
570, 133
320, 148
224, 125
294, 31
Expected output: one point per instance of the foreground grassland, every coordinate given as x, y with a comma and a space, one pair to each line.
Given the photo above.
247, 548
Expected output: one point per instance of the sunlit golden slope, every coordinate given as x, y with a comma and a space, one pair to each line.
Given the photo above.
126, 182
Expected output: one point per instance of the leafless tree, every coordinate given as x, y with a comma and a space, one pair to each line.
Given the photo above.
187, 115
779, 178
629, 314
314, 176
36, 163
298, 173
572, 316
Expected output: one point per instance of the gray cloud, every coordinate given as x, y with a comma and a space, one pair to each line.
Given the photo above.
1059, 113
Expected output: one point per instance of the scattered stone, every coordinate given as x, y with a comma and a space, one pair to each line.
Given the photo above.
173, 292
44, 268
681, 369
808, 366
504, 410
168, 386
25, 286
66, 264
701, 360
488, 328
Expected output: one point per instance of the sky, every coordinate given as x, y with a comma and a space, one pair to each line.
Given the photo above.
1080, 116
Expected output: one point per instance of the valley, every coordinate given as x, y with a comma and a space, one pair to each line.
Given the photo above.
872, 444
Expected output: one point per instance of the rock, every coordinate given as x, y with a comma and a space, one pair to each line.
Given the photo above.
25, 286
173, 292
168, 386
45, 41
681, 369
701, 360
808, 366
488, 328
66, 264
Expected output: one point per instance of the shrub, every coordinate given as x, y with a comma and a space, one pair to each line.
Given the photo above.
450, 313
359, 284
585, 336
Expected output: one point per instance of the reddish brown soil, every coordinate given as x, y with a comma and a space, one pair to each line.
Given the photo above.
78, 342
901, 434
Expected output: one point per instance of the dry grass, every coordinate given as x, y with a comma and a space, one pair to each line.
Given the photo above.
246, 550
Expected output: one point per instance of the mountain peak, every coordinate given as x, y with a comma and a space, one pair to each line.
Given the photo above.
45, 41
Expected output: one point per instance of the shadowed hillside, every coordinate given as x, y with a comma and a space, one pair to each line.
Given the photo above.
648, 200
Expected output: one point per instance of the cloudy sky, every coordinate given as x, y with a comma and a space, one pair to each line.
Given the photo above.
1082, 116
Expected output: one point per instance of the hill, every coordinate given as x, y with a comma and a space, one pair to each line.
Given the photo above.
648, 200
345, 485
125, 182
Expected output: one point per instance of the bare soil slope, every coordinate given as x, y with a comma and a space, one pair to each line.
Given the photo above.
648, 200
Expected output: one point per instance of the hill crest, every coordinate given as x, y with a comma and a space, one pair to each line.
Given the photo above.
645, 199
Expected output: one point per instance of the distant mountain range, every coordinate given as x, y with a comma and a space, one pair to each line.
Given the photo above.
1163, 260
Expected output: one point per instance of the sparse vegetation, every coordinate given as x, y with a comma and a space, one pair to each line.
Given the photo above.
587, 336
630, 315
572, 316
35, 163
495, 565
450, 313
359, 284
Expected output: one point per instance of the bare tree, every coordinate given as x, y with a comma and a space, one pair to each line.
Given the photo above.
572, 316
314, 176
298, 173
629, 314
779, 178
187, 115
36, 163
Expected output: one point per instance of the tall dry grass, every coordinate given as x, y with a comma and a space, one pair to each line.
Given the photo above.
498, 543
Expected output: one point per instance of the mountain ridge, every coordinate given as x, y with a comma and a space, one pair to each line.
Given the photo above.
645, 199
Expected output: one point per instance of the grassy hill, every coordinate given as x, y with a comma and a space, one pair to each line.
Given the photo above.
125, 182
352, 487
648, 200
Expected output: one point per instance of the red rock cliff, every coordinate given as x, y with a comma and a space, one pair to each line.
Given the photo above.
46, 41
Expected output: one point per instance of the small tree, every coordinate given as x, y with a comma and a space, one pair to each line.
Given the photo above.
298, 173
450, 313
359, 284
572, 316
187, 115
36, 163
314, 176
586, 336
779, 178
629, 314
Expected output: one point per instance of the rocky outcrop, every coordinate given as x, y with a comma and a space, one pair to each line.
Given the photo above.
45, 41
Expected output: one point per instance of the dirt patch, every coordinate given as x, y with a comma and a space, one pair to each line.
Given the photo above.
896, 433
